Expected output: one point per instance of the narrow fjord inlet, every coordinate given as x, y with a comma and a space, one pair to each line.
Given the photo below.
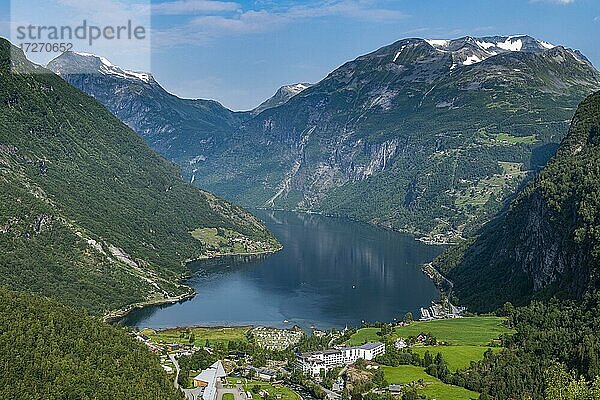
299, 200
331, 273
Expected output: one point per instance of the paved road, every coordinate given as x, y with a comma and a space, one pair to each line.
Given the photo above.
237, 392
176, 363
331, 395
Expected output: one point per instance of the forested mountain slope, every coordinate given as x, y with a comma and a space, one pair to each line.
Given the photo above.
548, 243
50, 351
554, 354
88, 213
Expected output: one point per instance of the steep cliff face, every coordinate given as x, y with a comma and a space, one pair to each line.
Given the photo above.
548, 242
183, 130
426, 136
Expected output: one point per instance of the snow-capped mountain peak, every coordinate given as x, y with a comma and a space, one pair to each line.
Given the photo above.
282, 95
296, 88
471, 50
70, 63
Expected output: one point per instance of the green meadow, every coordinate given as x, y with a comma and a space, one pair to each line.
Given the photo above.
427, 385
470, 331
457, 357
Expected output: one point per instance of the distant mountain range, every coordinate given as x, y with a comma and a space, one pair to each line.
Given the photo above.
89, 214
425, 136
280, 97
548, 242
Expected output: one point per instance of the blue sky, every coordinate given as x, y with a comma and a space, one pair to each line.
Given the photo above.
240, 52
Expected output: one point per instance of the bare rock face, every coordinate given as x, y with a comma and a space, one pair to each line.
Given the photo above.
545, 251
41, 222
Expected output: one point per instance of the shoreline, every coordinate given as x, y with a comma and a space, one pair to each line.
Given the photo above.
221, 255
444, 240
443, 284
203, 327
116, 315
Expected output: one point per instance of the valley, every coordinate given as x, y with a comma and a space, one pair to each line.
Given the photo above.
330, 273
417, 128
421, 223
95, 219
459, 341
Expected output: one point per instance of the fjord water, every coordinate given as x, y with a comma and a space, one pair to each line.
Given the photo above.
331, 272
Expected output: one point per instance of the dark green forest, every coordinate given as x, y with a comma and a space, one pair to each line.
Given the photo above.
548, 241
53, 352
545, 248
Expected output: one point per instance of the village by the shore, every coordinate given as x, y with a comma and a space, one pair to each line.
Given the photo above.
253, 363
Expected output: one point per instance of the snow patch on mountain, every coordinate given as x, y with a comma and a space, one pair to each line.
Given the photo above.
438, 42
485, 45
471, 50
547, 45
509, 45
282, 95
296, 88
472, 60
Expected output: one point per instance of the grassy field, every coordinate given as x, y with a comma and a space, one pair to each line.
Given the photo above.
227, 241
211, 237
472, 331
228, 396
456, 357
511, 168
201, 334
434, 388
441, 391
276, 390
467, 339
510, 139
405, 374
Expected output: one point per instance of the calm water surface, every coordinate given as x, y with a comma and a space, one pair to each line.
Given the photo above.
331, 272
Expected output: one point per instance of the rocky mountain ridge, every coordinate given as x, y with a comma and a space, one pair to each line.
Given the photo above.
282, 95
424, 136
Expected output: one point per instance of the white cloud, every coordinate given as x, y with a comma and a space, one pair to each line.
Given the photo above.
597, 19
563, 2
108, 10
207, 24
194, 6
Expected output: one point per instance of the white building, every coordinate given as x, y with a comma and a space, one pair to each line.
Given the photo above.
314, 362
367, 351
208, 378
